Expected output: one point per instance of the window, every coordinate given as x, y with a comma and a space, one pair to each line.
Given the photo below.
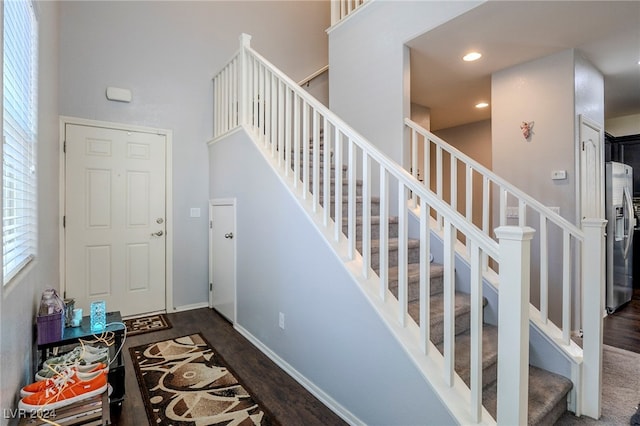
19, 102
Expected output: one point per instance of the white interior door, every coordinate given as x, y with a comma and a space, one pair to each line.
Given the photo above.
591, 170
115, 218
222, 257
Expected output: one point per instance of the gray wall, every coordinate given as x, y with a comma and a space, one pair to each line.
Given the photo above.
551, 91
333, 337
19, 299
369, 87
167, 54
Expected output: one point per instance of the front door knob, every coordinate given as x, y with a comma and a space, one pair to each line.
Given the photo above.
157, 234
229, 235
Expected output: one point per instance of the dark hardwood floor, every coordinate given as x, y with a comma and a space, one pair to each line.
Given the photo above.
622, 328
288, 401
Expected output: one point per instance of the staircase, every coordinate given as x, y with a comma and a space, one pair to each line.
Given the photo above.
547, 391
364, 211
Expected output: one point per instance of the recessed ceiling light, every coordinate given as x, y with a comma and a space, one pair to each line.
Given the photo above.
482, 105
472, 56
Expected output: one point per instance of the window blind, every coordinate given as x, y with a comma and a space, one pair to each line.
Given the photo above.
19, 224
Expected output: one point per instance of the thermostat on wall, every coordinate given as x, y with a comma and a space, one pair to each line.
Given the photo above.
118, 94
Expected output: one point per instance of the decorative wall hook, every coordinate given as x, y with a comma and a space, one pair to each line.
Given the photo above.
527, 129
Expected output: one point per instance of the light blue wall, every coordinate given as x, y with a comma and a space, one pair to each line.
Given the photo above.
333, 337
167, 53
20, 297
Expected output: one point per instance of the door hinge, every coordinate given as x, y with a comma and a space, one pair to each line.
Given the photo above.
64, 294
64, 221
583, 145
210, 286
210, 224
64, 147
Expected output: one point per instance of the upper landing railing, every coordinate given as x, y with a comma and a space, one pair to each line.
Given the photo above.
340, 9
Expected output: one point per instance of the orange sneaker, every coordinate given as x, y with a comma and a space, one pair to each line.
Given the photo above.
68, 375
66, 392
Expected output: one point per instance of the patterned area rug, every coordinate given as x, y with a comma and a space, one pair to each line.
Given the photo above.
147, 324
183, 381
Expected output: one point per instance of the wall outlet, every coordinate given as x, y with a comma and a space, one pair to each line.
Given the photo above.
281, 320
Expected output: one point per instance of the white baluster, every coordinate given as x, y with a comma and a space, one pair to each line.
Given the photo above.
425, 276
402, 253
366, 215
449, 288
383, 251
477, 306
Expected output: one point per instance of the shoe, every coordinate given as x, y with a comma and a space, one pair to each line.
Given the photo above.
79, 352
66, 374
66, 392
84, 359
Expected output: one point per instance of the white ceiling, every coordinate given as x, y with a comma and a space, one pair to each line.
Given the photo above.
508, 33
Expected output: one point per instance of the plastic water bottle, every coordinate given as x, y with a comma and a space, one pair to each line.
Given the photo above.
98, 316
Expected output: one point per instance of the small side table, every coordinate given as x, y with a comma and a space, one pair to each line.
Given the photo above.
73, 335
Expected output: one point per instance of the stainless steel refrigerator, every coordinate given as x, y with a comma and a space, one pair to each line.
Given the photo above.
620, 224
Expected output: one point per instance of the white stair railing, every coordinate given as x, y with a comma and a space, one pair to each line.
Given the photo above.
306, 141
340, 9
559, 241
513, 203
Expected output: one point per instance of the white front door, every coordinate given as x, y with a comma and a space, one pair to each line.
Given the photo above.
222, 261
115, 218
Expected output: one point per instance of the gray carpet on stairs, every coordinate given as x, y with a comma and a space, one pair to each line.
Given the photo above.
620, 389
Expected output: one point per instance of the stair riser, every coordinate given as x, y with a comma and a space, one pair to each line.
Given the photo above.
437, 327
375, 209
345, 188
332, 173
413, 256
374, 229
414, 287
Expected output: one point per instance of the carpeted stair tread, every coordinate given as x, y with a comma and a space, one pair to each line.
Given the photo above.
436, 272
547, 391
547, 396
375, 205
332, 186
375, 227
489, 354
462, 311
393, 244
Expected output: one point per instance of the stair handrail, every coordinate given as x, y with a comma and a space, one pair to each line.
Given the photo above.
252, 93
488, 244
503, 183
591, 266
313, 76
547, 216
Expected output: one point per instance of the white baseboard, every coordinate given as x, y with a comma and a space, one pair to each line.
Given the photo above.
327, 400
191, 307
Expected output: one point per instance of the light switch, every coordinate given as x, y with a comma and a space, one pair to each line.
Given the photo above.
195, 212
558, 174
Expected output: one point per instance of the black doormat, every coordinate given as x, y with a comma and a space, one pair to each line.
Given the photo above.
147, 324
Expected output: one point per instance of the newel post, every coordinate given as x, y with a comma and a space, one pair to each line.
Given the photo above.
593, 301
243, 75
513, 324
